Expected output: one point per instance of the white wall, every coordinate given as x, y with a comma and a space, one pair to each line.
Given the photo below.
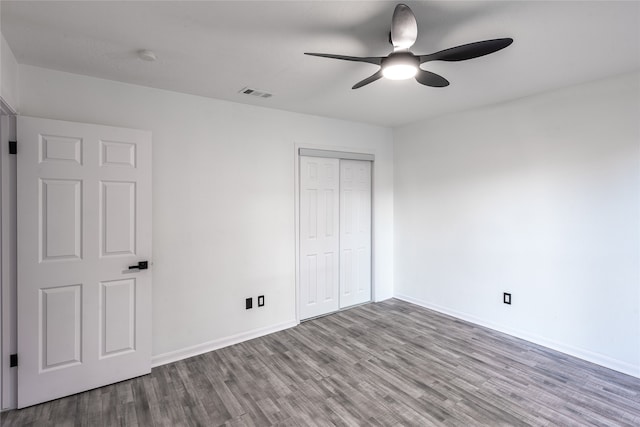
223, 200
539, 197
8, 75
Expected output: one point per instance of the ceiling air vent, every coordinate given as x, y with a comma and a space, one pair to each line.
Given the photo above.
255, 92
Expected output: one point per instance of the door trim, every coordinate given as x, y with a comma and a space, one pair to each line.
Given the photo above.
333, 154
339, 151
8, 260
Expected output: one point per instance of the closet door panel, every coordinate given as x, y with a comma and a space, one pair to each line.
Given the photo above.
355, 232
319, 236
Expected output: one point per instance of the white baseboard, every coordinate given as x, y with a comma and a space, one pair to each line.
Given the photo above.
589, 356
184, 353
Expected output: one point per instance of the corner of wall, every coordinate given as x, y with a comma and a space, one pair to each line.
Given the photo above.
8, 75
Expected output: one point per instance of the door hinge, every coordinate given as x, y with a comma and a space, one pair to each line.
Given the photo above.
13, 360
13, 147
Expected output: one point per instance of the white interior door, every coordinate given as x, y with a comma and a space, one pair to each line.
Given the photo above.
355, 232
319, 236
84, 217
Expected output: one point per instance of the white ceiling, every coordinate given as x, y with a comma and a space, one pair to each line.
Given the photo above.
216, 48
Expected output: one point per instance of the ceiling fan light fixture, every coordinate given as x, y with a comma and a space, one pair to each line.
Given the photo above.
399, 71
400, 66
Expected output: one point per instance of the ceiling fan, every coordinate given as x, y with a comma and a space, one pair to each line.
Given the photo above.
402, 64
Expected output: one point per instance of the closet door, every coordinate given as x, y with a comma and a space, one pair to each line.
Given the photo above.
319, 236
355, 232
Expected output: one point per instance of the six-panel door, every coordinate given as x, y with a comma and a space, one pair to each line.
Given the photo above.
319, 236
84, 217
355, 232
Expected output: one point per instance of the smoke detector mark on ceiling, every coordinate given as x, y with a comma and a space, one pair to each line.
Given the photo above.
147, 55
255, 92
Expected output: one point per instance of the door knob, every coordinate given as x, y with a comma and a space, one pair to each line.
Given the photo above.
142, 265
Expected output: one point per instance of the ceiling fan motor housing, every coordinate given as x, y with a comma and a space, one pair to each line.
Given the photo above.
400, 65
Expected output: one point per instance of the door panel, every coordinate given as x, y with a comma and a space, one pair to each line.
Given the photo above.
61, 325
117, 322
84, 216
60, 232
117, 218
355, 232
319, 234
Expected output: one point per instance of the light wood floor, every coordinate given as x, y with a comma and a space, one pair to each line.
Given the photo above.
390, 363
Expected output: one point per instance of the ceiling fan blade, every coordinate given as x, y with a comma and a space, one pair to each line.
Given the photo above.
428, 78
368, 80
404, 28
468, 51
370, 59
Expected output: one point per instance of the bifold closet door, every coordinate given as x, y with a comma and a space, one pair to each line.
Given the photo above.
355, 232
319, 236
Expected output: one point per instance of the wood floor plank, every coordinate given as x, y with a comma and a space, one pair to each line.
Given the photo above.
384, 364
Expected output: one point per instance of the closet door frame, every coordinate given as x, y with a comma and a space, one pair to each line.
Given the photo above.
339, 153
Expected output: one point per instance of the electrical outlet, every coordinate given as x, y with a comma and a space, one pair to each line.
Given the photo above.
248, 303
506, 298
261, 301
